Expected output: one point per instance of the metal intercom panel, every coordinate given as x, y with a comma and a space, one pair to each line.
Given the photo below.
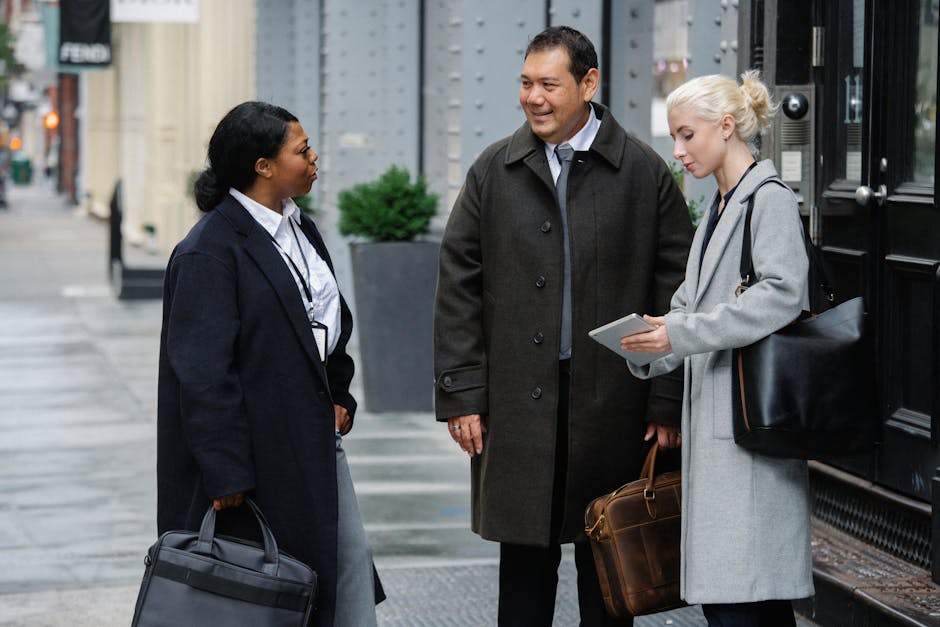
794, 142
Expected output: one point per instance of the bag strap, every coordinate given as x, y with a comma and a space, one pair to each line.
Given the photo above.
812, 251
207, 535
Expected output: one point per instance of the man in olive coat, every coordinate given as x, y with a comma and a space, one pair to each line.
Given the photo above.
550, 418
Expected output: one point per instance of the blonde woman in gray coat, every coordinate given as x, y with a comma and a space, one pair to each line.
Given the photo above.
745, 517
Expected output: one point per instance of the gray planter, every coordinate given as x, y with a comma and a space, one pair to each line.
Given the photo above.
395, 283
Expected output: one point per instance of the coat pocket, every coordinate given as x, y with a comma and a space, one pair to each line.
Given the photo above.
721, 400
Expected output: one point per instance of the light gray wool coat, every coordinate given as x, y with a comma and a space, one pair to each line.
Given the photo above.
745, 516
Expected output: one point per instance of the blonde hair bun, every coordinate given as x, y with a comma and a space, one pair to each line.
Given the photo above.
715, 95
757, 98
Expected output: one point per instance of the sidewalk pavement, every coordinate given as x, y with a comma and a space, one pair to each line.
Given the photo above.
77, 454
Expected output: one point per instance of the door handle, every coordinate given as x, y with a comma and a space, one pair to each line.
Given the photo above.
864, 195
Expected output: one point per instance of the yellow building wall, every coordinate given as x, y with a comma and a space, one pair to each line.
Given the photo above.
149, 117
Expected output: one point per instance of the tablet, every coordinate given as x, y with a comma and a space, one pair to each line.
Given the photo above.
609, 335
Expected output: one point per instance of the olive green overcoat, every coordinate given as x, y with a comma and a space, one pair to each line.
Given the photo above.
498, 319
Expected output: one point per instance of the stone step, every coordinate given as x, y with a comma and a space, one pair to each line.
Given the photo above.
859, 584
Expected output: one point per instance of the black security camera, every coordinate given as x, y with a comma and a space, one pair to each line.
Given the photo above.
794, 105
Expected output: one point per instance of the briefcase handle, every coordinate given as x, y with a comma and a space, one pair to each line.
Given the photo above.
207, 536
648, 472
649, 465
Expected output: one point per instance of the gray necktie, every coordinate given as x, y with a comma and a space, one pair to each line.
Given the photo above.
565, 152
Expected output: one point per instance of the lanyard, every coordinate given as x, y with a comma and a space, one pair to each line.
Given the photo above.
304, 284
300, 249
320, 330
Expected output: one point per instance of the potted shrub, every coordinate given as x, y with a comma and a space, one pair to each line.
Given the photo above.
394, 278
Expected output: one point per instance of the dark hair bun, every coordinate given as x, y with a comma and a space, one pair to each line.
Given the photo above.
208, 191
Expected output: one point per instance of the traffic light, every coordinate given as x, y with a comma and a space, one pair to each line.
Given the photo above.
15, 143
51, 121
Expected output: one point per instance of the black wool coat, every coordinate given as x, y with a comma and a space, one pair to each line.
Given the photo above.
245, 402
498, 321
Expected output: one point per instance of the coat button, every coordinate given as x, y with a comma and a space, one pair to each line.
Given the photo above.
447, 381
536, 393
538, 338
546, 227
540, 282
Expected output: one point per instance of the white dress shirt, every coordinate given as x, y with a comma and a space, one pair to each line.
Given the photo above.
285, 229
582, 140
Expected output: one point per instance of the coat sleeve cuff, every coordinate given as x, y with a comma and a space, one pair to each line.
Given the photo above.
234, 481
460, 391
665, 400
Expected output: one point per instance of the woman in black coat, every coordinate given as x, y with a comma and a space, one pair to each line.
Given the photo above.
254, 377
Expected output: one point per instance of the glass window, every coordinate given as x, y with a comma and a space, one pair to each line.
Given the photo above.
670, 58
925, 105
851, 95
670, 69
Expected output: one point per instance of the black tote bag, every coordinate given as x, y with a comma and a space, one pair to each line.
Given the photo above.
807, 390
197, 579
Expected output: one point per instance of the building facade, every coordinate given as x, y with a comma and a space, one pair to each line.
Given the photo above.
147, 119
428, 84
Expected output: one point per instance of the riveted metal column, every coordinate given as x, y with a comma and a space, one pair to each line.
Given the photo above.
491, 53
587, 17
713, 43
728, 44
369, 95
370, 88
631, 62
274, 60
288, 59
584, 15
713, 38
441, 65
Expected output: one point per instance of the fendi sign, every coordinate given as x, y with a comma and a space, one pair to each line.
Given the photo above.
84, 33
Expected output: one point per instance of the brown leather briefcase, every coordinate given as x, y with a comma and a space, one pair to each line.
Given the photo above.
634, 533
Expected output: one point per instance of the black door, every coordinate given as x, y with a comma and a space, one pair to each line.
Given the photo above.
877, 216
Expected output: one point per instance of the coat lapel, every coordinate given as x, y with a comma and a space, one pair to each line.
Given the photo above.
261, 249
525, 146
692, 274
724, 230
727, 225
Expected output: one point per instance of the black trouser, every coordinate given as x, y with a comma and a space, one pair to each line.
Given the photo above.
528, 575
760, 614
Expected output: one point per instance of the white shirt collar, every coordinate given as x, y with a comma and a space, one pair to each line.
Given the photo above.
268, 219
583, 139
